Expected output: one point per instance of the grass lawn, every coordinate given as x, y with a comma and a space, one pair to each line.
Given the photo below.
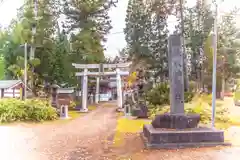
73, 114
127, 125
234, 121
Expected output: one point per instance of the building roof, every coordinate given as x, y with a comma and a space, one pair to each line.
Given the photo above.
5, 84
66, 90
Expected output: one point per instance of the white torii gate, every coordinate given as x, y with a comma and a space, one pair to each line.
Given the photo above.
101, 72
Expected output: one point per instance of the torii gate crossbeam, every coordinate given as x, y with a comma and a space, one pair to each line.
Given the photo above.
101, 72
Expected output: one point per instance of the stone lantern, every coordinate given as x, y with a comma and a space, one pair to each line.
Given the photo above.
54, 94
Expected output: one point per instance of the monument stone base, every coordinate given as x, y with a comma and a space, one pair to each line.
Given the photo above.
63, 118
137, 112
141, 111
83, 110
176, 121
160, 138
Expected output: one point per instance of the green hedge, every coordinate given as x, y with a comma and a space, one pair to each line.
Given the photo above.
12, 110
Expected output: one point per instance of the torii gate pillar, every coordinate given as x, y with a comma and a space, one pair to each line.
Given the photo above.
119, 89
85, 91
97, 90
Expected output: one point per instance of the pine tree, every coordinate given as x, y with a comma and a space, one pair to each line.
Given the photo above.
59, 59
44, 37
159, 40
137, 29
91, 23
198, 22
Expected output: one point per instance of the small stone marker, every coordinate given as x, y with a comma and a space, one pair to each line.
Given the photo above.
64, 103
91, 98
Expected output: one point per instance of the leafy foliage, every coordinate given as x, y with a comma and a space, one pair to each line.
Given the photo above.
198, 106
137, 29
160, 95
12, 110
91, 21
237, 96
79, 40
2, 72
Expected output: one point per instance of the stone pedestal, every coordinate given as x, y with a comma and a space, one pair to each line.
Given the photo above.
176, 121
159, 138
141, 112
127, 110
83, 110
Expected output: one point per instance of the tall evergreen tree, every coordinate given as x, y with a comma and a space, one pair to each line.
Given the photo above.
137, 29
45, 23
198, 23
91, 23
59, 58
159, 40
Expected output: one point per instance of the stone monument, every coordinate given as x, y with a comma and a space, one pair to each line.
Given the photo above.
54, 94
176, 129
141, 110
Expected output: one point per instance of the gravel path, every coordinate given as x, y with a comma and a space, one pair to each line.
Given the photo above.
57, 141
90, 137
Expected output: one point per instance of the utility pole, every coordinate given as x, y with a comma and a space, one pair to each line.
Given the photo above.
223, 76
214, 74
34, 30
25, 70
183, 48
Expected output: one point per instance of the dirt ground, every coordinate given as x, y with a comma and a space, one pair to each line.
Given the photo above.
90, 137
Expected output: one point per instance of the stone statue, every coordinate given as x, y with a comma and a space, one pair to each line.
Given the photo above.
140, 110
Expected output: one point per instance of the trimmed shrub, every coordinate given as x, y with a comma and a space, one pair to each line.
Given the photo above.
12, 110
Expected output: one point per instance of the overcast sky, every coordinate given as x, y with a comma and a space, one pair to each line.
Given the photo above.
116, 40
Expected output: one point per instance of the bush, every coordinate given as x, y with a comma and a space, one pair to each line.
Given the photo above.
30, 110
157, 109
72, 105
206, 98
192, 86
188, 96
205, 111
159, 95
198, 106
237, 95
